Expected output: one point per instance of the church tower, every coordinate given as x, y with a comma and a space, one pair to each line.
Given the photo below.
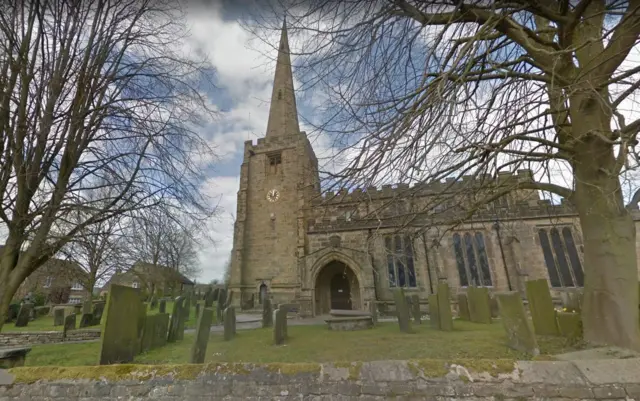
278, 178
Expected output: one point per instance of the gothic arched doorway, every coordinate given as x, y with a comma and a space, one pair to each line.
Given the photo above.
336, 287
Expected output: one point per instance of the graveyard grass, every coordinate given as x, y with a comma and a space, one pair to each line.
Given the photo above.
45, 323
317, 344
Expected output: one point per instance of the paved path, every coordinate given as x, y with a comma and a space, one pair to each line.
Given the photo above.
251, 321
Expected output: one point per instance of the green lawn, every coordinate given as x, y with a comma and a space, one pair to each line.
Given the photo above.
45, 323
317, 344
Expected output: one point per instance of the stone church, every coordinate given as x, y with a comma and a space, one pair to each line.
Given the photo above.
344, 250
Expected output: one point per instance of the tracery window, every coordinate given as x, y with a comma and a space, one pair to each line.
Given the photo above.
561, 257
471, 259
400, 266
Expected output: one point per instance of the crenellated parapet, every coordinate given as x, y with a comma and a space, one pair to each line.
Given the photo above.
422, 189
355, 210
266, 145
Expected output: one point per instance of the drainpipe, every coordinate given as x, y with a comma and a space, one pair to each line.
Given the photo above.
496, 226
426, 258
375, 286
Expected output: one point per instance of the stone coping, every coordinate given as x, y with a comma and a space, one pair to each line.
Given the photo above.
10, 352
564, 373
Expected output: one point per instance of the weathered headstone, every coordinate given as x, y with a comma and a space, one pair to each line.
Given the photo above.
570, 326
216, 293
142, 317
541, 308
444, 307
209, 298
267, 313
119, 341
279, 326
415, 309
58, 316
479, 308
199, 348
373, 309
86, 320
493, 306
162, 306
24, 315
228, 323
155, 331
87, 306
186, 304
572, 300
434, 312
463, 307
197, 309
402, 311
176, 319
520, 334
69, 324
98, 311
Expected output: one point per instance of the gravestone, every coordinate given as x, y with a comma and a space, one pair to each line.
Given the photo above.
463, 307
119, 342
373, 310
58, 316
279, 326
570, 326
520, 335
162, 307
186, 304
154, 334
208, 298
228, 323
444, 307
175, 322
541, 308
142, 317
216, 294
197, 309
86, 320
572, 300
267, 313
493, 306
87, 307
69, 324
434, 312
199, 347
154, 303
402, 311
479, 307
415, 309
98, 310
220, 299
24, 315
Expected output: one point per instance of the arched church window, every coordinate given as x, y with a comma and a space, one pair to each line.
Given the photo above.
561, 257
471, 259
400, 265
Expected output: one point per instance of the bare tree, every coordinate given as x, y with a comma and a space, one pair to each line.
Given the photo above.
93, 93
100, 249
419, 91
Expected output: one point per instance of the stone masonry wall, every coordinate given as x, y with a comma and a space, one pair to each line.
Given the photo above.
399, 380
46, 337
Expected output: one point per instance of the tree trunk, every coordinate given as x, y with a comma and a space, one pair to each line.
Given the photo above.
5, 300
610, 310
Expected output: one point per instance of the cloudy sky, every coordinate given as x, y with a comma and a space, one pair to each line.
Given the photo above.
244, 75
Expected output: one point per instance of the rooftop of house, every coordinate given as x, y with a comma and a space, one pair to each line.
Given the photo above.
56, 264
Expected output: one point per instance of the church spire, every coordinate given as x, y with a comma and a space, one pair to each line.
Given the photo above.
283, 115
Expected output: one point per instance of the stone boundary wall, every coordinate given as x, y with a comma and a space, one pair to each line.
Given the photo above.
399, 380
19, 338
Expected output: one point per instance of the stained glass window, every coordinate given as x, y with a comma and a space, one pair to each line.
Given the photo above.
471, 259
400, 266
561, 257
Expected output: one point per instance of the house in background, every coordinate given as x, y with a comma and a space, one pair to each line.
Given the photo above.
59, 280
155, 279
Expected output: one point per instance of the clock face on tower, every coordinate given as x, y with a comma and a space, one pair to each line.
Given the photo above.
273, 195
